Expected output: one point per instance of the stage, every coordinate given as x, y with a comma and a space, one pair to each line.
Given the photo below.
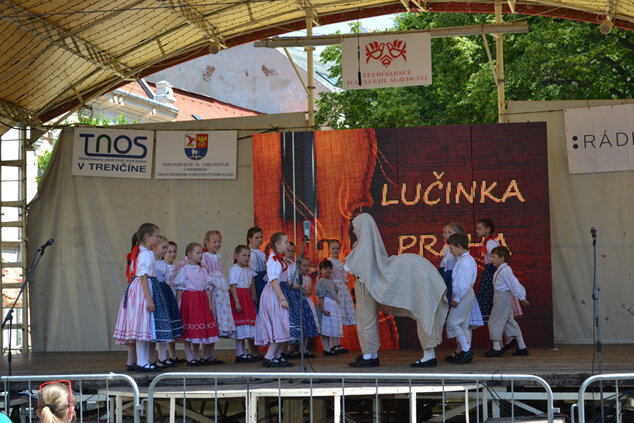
563, 366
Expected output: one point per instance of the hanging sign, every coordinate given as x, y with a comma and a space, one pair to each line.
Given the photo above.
600, 139
386, 61
196, 154
115, 153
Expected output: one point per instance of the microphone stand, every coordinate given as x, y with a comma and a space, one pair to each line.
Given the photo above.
298, 265
9, 319
595, 298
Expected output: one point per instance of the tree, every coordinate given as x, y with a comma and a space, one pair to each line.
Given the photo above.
557, 60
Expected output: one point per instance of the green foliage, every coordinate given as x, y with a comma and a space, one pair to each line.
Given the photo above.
557, 60
42, 162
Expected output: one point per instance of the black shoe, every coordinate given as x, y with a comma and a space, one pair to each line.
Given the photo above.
522, 352
331, 352
465, 357
309, 355
193, 363
178, 360
268, 363
130, 367
213, 361
451, 358
428, 363
148, 368
167, 363
243, 359
340, 350
361, 362
510, 345
281, 362
494, 353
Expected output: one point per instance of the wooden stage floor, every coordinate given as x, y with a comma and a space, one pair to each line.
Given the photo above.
562, 366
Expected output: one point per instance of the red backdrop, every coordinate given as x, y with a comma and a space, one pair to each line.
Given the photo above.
412, 181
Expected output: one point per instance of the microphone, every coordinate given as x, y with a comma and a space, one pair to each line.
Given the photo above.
46, 244
306, 230
593, 231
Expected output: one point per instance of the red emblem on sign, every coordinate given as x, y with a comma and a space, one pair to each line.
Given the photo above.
385, 52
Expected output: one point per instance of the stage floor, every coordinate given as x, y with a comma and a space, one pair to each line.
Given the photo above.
562, 366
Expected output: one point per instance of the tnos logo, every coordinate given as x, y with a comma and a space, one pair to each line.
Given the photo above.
102, 145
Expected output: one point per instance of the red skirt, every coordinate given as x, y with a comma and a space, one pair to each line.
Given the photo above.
199, 324
247, 317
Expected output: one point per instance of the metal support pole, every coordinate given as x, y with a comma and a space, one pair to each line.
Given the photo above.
310, 84
499, 63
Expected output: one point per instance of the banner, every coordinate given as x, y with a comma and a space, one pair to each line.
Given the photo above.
386, 61
600, 139
115, 153
196, 154
413, 181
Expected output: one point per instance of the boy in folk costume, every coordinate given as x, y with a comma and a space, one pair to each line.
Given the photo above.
407, 285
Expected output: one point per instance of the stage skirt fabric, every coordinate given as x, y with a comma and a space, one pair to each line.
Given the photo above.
245, 321
223, 314
485, 292
134, 322
162, 320
199, 324
346, 305
271, 325
446, 276
331, 325
172, 309
313, 310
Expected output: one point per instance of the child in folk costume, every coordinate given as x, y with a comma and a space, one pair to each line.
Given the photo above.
218, 285
463, 277
344, 298
329, 311
485, 229
199, 325
293, 297
168, 269
163, 273
271, 325
445, 268
257, 263
502, 321
242, 302
307, 290
143, 315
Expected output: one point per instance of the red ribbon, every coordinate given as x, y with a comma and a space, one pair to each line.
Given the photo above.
130, 271
281, 260
483, 248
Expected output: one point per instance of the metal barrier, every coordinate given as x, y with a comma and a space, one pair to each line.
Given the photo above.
580, 405
32, 398
304, 385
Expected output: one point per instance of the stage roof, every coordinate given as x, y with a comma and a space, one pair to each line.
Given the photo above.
58, 54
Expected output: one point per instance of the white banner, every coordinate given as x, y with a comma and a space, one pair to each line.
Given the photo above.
196, 154
600, 139
386, 61
115, 153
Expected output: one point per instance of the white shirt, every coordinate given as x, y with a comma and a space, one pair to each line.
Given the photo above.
491, 244
145, 262
257, 261
463, 276
163, 271
505, 280
448, 261
274, 270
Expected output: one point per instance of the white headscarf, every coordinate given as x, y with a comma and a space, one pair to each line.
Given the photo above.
407, 282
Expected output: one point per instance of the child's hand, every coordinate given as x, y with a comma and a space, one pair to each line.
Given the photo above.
255, 300
150, 306
326, 313
525, 303
238, 308
454, 304
284, 303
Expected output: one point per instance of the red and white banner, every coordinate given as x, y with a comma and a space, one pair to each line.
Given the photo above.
386, 61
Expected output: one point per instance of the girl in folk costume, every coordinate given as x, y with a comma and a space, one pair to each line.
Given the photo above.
169, 259
271, 325
329, 311
445, 268
292, 295
257, 263
218, 285
199, 324
344, 299
242, 302
485, 229
143, 315
163, 273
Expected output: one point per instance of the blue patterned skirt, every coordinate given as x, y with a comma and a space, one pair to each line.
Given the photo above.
485, 292
161, 315
260, 283
172, 310
292, 296
446, 276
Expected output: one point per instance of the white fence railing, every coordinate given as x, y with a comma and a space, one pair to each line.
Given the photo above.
252, 387
26, 402
613, 377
